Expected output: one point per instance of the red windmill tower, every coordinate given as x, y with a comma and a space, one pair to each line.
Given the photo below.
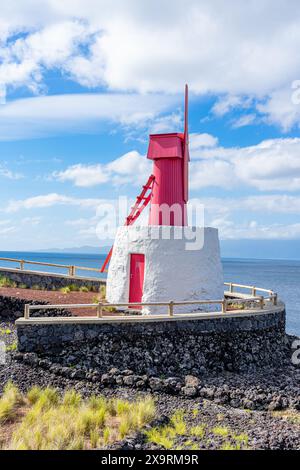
170, 155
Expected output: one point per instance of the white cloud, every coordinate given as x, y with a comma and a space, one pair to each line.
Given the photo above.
240, 218
130, 168
226, 103
273, 164
202, 140
166, 124
24, 60
50, 200
262, 203
7, 229
245, 120
6, 173
235, 49
215, 173
252, 230
272, 204
83, 175
279, 109
51, 115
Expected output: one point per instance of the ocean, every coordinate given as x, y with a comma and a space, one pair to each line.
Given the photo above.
282, 276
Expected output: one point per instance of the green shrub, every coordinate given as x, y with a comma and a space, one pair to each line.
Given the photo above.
220, 431
102, 291
6, 282
73, 288
65, 290
12, 347
83, 289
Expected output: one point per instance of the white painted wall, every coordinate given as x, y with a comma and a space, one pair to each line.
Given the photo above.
173, 269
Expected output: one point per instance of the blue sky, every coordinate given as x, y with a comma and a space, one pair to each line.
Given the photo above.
82, 85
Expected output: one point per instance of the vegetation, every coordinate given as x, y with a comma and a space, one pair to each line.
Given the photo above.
43, 419
9, 401
192, 437
5, 331
12, 347
220, 431
6, 282
101, 295
292, 416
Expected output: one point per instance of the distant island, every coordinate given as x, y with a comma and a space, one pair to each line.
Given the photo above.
246, 248
88, 250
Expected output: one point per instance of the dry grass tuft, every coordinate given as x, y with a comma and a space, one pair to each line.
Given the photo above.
46, 421
9, 401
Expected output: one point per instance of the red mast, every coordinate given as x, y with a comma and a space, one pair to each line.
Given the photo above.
170, 155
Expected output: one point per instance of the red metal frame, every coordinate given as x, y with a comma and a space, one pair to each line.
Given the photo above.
141, 202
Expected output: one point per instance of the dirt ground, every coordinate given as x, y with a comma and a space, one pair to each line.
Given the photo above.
56, 297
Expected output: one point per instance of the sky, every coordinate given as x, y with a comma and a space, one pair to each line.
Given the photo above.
83, 83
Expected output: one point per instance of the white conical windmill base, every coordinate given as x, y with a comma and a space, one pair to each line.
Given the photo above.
181, 264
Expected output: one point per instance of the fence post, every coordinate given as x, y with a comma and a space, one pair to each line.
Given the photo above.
224, 306
71, 271
254, 291
261, 301
26, 312
99, 311
275, 299
21, 264
230, 287
171, 308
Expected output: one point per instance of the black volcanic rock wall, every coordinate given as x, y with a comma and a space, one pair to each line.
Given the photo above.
161, 348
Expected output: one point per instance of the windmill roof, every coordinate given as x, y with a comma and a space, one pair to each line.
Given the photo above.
165, 146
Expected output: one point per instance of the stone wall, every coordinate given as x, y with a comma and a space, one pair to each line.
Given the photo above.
48, 281
161, 348
12, 308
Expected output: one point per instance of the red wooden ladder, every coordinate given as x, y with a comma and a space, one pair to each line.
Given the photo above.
141, 202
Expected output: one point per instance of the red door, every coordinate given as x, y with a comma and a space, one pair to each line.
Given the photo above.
137, 264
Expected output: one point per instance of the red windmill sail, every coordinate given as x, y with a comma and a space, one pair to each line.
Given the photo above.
186, 155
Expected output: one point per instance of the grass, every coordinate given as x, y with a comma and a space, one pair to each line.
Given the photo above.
168, 436
12, 347
292, 416
84, 289
44, 420
9, 401
7, 282
64, 290
198, 431
5, 331
165, 436
229, 446
220, 431
235, 306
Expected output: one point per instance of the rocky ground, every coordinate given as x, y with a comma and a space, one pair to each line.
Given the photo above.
261, 409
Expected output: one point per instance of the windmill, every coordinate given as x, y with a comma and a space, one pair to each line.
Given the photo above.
145, 264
